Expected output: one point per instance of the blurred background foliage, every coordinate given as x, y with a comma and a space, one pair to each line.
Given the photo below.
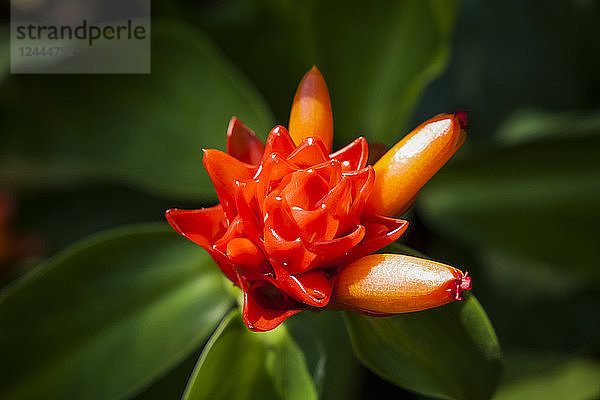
518, 207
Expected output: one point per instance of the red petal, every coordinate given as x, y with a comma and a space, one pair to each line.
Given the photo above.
279, 141
333, 249
234, 230
305, 189
202, 226
337, 202
224, 170
245, 200
243, 144
312, 288
363, 181
354, 156
272, 170
265, 306
330, 170
315, 224
380, 231
282, 236
309, 153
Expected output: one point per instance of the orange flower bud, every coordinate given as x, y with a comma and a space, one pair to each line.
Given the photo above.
394, 283
311, 110
404, 169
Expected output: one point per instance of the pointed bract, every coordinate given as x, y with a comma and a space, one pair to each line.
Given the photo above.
243, 144
224, 170
311, 114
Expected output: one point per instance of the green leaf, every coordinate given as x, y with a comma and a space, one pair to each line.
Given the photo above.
171, 385
240, 364
537, 201
575, 379
449, 352
530, 125
145, 130
377, 60
107, 316
338, 375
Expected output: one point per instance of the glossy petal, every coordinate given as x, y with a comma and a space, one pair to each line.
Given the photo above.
304, 287
311, 111
353, 156
265, 307
280, 142
224, 170
404, 169
380, 231
243, 144
310, 152
202, 226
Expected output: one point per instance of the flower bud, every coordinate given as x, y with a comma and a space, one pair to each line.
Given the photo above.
394, 283
311, 111
405, 168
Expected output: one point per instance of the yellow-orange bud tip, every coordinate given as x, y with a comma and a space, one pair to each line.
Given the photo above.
461, 116
311, 114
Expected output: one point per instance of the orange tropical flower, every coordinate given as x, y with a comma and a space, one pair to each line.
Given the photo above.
296, 223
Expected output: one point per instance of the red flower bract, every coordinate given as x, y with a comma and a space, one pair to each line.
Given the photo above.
289, 217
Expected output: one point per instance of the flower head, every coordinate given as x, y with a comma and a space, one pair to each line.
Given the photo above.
293, 216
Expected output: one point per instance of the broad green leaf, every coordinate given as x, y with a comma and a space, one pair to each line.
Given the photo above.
377, 60
91, 208
108, 315
311, 343
575, 379
146, 130
240, 364
340, 373
530, 125
449, 352
172, 385
537, 201
536, 282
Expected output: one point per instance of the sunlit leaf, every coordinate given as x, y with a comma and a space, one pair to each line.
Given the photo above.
146, 130
108, 315
376, 59
530, 125
240, 364
574, 379
340, 372
450, 352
